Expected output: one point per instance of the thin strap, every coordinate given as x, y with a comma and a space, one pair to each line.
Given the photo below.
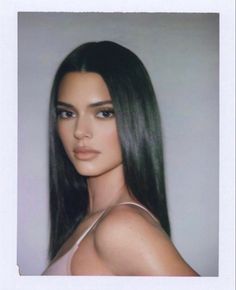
89, 228
140, 206
108, 209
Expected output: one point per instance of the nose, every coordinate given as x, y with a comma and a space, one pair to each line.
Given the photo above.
82, 129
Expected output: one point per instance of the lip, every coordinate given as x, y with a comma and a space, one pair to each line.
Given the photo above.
85, 150
85, 153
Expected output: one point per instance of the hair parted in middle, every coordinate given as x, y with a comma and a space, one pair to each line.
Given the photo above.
139, 130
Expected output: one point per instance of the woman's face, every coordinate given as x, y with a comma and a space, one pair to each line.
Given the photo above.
86, 124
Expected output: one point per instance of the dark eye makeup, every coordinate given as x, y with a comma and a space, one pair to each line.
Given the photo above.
105, 113
101, 113
64, 113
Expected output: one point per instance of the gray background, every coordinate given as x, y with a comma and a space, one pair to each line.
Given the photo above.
181, 53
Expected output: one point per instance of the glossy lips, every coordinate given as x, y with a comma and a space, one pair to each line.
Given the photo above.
85, 153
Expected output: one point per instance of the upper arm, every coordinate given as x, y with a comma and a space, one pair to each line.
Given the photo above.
129, 244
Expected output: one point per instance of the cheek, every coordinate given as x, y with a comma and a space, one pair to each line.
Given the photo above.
61, 133
64, 134
110, 139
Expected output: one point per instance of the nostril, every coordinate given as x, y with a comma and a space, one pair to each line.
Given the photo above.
82, 128
82, 134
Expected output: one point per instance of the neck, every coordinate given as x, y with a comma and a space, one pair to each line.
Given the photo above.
106, 190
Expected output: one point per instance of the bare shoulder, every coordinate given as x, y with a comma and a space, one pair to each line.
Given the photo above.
130, 242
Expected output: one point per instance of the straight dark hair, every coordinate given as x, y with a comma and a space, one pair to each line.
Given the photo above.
139, 129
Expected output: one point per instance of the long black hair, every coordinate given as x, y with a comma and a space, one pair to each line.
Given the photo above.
139, 130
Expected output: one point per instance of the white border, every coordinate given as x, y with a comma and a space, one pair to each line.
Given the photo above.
10, 277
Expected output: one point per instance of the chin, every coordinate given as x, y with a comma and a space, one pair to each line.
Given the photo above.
90, 171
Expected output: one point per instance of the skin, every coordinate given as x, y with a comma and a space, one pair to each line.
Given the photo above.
108, 250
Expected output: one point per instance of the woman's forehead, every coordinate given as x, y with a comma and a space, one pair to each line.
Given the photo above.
83, 85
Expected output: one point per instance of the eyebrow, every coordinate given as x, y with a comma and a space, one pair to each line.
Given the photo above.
92, 105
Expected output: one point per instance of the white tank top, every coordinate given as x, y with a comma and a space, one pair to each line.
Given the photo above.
62, 265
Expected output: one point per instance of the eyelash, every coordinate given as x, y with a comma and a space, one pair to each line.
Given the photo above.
106, 110
63, 113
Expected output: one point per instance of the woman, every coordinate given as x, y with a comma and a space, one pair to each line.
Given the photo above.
108, 205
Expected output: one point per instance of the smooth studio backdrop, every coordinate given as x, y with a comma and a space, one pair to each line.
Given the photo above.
181, 54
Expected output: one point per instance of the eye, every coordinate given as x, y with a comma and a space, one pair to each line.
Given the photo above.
105, 113
65, 114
